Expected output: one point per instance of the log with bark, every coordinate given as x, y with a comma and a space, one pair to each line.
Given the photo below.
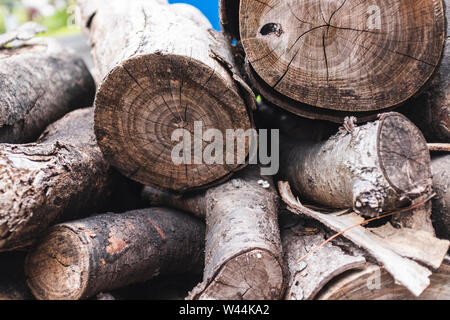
62, 176
325, 60
431, 110
168, 71
440, 167
370, 168
79, 259
243, 247
375, 283
40, 82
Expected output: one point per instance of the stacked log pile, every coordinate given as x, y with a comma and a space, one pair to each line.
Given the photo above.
93, 203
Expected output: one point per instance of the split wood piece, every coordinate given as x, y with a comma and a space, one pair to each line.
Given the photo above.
343, 55
370, 168
243, 246
309, 276
393, 252
60, 177
41, 82
168, 71
375, 283
12, 278
79, 259
440, 167
431, 110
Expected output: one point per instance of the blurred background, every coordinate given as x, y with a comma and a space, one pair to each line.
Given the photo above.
58, 15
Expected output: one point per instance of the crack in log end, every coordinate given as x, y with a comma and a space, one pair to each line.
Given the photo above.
271, 28
317, 69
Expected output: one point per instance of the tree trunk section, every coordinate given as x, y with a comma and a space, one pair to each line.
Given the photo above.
431, 110
327, 60
168, 71
41, 82
243, 247
375, 283
62, 176
440, 167
80, 259
371, 168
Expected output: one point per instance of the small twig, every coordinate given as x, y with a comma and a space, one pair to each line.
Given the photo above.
412, 207
439, 147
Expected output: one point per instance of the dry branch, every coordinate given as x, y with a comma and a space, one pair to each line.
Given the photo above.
62, 176
243, 247
79, 259
40, 82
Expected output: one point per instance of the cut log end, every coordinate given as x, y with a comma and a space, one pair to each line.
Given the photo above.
142, 103
255, 275
402, 145
64, 275
343, 55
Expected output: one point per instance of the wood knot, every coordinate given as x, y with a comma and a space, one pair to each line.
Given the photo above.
271, 28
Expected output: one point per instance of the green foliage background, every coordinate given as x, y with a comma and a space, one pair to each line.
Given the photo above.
56, 24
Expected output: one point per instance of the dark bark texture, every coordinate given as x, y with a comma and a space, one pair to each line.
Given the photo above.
79, 259
62, 176
40, 82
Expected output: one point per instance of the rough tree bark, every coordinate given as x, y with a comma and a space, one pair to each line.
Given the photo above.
324, 60
243, 248
79, 259
61, 176
370, 168
167, 71
431, 110
440, 167
375, 283
40, 82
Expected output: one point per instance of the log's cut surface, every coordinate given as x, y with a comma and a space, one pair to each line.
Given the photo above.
370, 168
79, 259
62, 176
431, 111
339, 55
162, 69
40, 82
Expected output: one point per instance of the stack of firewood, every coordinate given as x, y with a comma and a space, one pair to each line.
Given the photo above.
358, 94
